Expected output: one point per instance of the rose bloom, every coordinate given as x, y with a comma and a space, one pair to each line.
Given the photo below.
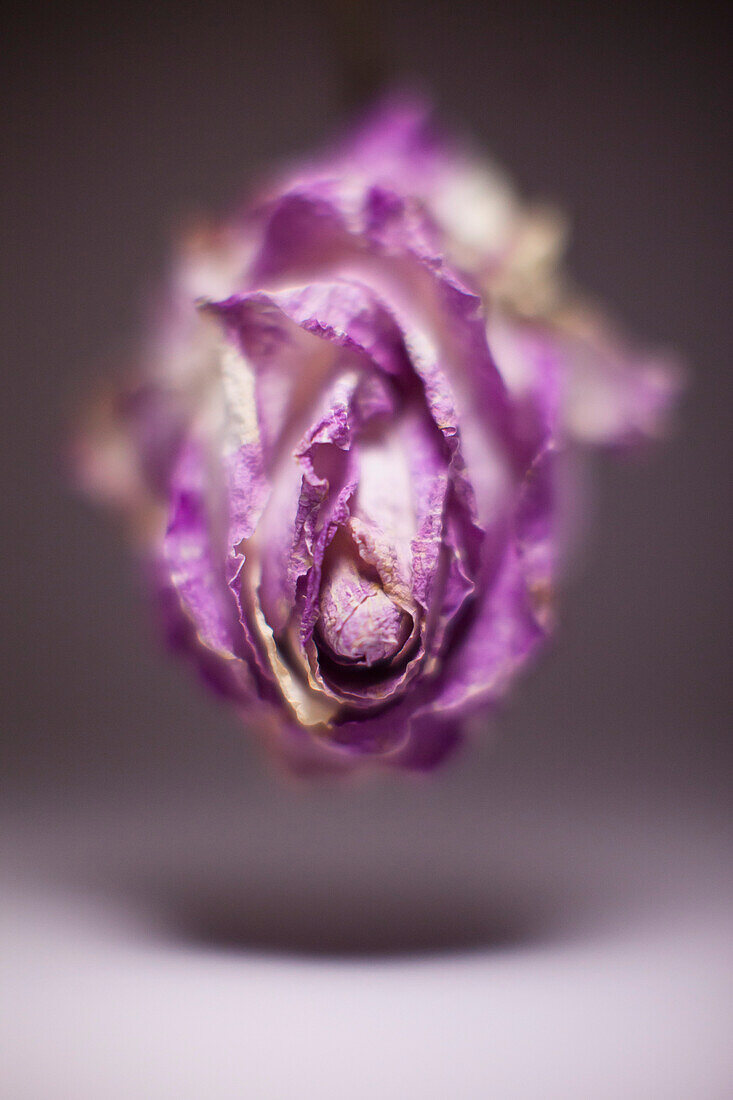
348, 452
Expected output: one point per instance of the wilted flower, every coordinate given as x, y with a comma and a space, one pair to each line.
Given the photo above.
344, 457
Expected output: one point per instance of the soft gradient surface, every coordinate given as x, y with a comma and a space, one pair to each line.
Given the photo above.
549, 914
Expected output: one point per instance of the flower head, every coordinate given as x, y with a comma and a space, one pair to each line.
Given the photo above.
345, 454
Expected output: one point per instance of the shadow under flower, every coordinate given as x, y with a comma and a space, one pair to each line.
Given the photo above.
330, 921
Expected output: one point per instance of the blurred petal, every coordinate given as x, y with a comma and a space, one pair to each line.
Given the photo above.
613, 395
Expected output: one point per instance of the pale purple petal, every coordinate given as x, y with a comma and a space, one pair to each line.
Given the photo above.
500, 637
612, 394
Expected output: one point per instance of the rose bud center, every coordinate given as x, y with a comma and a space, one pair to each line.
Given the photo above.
359, 623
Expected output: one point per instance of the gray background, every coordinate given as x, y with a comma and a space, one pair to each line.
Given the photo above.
599, 794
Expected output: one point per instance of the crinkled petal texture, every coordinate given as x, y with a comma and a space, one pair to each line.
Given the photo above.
345, 457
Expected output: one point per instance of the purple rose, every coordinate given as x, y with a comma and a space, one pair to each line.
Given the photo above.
346, 457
